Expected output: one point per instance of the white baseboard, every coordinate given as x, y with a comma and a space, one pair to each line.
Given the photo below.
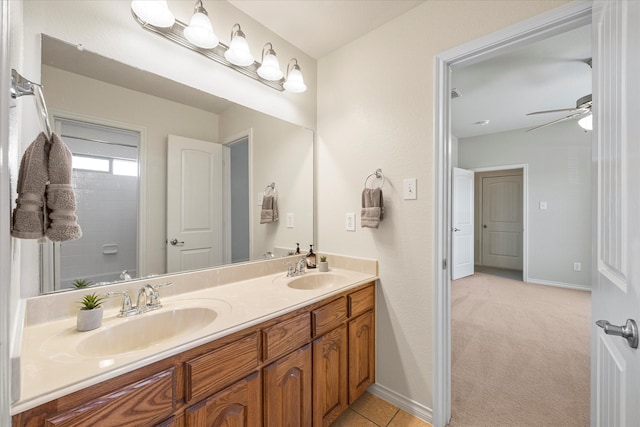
412, 407
559, 284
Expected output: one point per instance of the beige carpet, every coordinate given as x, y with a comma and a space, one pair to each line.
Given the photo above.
520, 354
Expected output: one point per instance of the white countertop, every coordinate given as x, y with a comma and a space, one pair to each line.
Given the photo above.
51, 366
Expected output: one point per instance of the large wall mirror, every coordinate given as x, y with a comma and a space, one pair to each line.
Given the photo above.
157, 162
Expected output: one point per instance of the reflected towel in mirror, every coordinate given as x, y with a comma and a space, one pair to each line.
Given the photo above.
269, 212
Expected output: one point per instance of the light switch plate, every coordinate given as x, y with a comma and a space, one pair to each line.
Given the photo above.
409, 189
259, 197
350, 221
290, 218
543, 205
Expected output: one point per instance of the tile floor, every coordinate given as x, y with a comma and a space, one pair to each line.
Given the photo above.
371, 411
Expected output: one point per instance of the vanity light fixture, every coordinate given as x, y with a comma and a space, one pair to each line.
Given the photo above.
155, 16
295, 82
238, 52
270, 68
200, 32
153, 12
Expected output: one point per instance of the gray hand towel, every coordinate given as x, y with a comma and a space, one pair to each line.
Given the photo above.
29, 218
269, 211
372, 208
61, 200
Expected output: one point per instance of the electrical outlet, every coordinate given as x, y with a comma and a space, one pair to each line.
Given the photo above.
577, 266
543, 205
350, 221
290, 218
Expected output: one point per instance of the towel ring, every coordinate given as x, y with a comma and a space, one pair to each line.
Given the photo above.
378, 174
271, 187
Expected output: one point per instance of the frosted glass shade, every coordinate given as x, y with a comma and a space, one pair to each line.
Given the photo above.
153, 12
270, 68
586, 123
200, 33
238, 52
295, 82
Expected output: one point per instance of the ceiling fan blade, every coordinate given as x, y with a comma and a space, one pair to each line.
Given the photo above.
569, 117
556, 111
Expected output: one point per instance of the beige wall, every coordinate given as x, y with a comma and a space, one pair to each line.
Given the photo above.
282, 153
375, 110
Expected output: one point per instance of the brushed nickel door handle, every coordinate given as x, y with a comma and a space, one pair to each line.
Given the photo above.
629, 331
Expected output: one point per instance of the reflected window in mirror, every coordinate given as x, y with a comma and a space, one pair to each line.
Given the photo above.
105, 179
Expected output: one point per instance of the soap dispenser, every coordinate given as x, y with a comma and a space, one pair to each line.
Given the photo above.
311, 258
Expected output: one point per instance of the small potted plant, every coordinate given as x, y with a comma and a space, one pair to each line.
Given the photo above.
81, 283
90, 313
323, 265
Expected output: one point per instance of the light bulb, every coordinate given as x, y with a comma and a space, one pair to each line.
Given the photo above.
199, 32
238, 52
153, 12
295, 82
270, 68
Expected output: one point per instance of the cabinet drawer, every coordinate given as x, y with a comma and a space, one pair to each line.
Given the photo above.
286, 336
329, 316
361, 301
145, 402
222, 367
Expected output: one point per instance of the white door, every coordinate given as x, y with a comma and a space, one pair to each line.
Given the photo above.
194, 204
502, 222
462, 239
615, 370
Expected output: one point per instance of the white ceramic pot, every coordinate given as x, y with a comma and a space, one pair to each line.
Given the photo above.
323, 267
89, 319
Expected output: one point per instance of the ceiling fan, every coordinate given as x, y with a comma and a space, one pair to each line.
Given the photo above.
582, 108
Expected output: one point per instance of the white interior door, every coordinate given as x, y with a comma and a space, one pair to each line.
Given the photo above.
194, 204
502, 222
615, 366
462, 239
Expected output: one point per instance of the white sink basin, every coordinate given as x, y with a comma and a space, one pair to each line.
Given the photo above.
313, 281
145, 330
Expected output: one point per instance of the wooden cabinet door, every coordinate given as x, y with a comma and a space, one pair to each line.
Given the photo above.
362, 365
287, 390
329, 376
238, 405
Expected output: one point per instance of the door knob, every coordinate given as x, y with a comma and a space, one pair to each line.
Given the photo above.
174, 242
484, 226
456, 229
629, 331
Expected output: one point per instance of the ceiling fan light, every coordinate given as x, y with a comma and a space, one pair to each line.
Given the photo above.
586, 122
200, 32
153, 12
238, 52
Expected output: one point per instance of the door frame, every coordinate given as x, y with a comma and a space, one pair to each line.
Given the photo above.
525, 210
546, 25
226, 190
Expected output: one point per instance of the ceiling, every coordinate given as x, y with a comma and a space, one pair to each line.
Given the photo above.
550, 74
318, 27
547, 75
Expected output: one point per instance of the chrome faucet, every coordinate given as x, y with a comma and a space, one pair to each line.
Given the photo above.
149, 298
296, 268
127, 309
301, 266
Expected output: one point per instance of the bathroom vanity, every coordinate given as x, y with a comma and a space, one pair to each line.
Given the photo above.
279, 351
